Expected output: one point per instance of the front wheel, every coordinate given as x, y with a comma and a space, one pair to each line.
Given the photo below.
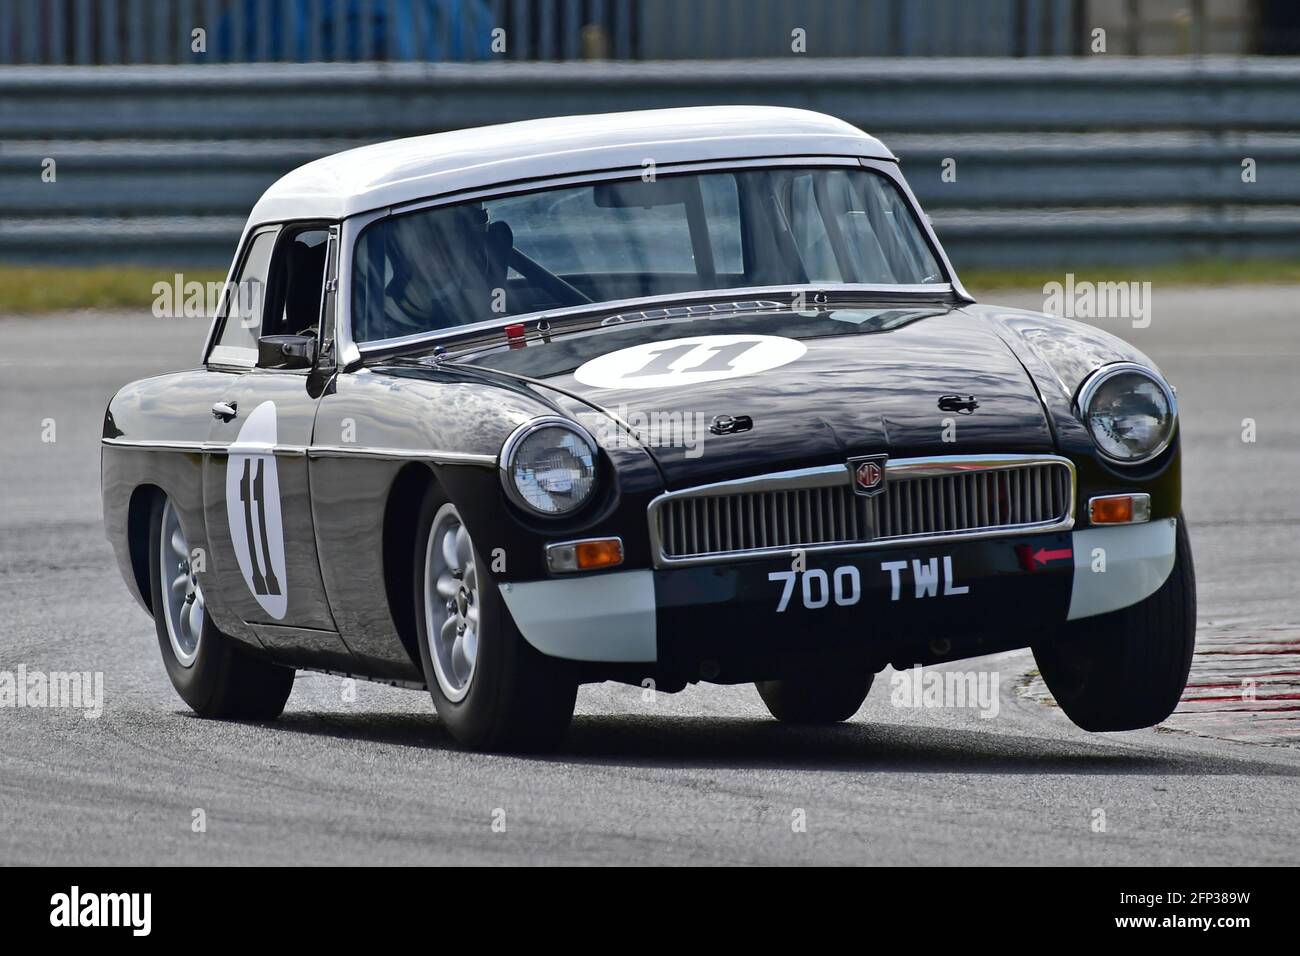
1127, 669
491, 688
215, 676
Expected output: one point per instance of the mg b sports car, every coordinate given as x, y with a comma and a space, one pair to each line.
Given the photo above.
674, 396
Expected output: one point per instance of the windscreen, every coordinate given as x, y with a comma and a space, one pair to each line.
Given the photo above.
452, 265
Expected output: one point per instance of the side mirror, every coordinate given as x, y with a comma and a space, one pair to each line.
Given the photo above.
286, 351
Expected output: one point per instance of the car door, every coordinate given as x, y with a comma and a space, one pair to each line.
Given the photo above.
257, 495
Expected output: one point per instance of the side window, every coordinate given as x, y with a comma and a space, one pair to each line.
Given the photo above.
238, 340
297, 283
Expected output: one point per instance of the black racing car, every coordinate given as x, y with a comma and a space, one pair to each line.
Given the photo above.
676, 396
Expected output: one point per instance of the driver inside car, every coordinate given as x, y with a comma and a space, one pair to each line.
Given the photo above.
446, 269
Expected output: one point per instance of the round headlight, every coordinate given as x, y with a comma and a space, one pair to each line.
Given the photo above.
1130, 412
548, 466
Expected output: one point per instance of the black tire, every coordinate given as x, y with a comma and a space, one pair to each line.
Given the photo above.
827, 697
517, 698
1127, 669
224, 680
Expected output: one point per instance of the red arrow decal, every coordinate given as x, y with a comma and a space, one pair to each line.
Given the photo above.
1042, 556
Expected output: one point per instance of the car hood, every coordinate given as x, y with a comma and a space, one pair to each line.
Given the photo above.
841, 382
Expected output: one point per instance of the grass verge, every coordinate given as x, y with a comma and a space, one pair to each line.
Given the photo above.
1201, 272
38, 289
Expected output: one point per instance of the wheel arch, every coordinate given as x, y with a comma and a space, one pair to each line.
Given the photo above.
405, 495
139, 510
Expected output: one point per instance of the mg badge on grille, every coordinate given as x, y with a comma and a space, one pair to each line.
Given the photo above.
868, 474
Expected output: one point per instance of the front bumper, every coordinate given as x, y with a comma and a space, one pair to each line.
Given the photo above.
936, 601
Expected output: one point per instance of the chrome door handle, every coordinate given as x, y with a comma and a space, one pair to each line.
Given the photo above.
225, 410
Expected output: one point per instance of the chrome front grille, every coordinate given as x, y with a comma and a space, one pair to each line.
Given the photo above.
816, 508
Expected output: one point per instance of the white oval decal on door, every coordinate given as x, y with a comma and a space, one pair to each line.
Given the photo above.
253, 510
689, 361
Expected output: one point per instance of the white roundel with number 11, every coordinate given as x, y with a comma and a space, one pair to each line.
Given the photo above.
253, 510
689, 361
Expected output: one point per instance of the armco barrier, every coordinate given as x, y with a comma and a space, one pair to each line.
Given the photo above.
1057, 162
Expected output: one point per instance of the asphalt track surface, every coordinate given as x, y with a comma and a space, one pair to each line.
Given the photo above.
699, 777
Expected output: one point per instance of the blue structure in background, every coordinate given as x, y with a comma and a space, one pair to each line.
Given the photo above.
431, 30
126, 32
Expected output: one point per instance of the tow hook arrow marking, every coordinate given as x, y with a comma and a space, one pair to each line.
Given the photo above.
1042, 556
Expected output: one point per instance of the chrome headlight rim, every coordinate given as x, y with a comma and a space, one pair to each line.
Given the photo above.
505, 462
1104, 374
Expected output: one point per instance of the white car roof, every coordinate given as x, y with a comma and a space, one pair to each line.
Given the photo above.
385, 174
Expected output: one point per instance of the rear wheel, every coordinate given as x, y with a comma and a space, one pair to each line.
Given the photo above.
211, 672
1127, 669
491, 688
826, 697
